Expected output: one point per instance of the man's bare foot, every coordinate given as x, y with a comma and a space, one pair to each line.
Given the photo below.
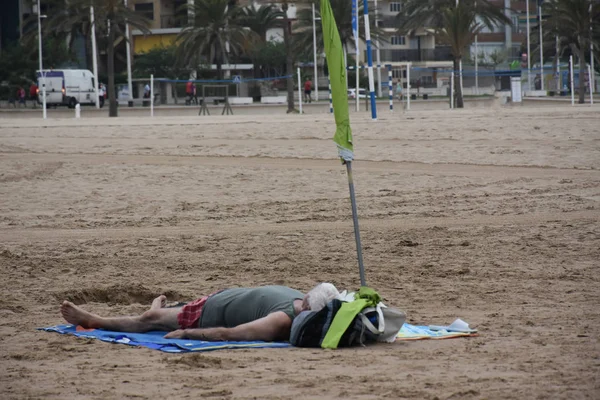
159, 302
76, 316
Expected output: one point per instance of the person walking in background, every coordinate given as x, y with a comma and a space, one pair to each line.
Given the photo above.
101, 95
21, 96
189, 92
399, 91
146, 103
33, 94
307, 90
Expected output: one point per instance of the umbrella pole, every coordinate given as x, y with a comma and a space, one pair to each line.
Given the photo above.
361, 268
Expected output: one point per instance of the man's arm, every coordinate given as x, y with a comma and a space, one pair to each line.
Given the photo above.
275, 326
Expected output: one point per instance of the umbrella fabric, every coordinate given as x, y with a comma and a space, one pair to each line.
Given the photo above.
337, 75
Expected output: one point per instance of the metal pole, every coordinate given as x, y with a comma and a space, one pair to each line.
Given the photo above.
408, 86
593, 77
541, 50
42, 73
476, 68
378, 54
316, 72
528, 51
94, 56
299, 90
152, 95
558, 87
593, 73
460, 74
346, 67
128, 48
572, 80
361, 268
370, 61
390, 88
356, 45
590, 82
452, 90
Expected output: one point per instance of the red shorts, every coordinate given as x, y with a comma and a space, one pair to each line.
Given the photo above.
190, 314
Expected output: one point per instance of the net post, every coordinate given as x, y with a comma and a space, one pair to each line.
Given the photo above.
227, 106
408, 86
572, 81
591, 85
151, 95
203, 109
299, 90
390, 87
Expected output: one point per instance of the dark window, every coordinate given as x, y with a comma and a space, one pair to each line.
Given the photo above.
395, 7
146, 9
398, 40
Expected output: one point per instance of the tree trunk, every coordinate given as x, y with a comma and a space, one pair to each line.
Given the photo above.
219, 61
457, 86
174, 93
219, 70
289, 62
582, 71
112, 98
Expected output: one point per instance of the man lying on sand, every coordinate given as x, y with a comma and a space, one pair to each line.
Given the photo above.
238, 314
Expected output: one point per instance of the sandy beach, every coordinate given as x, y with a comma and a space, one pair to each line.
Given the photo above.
489, 214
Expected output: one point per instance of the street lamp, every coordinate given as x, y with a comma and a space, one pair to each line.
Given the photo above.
94, 56
316, 71
528, 50
541, 47
460, 70
128, 48
378, 53
42, 74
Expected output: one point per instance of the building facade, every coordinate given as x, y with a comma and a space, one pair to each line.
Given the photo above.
168, 17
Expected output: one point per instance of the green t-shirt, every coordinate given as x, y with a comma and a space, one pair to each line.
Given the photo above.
233, 307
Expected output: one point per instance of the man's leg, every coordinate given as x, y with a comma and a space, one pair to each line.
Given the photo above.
155, 319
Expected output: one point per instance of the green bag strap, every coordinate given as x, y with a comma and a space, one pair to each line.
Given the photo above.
341, 322
367, 293
346, 314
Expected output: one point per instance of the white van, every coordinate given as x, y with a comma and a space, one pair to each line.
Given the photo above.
68, 87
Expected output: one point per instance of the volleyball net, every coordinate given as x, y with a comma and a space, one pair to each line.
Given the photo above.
400, 83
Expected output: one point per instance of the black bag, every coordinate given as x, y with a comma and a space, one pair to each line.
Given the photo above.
310, 327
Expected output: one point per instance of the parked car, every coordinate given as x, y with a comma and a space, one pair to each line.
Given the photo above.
67, 87
362, 93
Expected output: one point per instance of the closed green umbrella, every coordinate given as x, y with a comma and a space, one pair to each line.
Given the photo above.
343, 134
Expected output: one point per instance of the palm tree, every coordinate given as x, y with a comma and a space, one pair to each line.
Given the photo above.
259, 20
213, 33
342, 11
116, 15
452, 24
570, 21
69, 20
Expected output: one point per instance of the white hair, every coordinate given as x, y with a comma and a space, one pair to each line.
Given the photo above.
320, 295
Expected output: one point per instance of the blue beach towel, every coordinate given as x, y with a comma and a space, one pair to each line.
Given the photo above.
418, 332
155, 340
